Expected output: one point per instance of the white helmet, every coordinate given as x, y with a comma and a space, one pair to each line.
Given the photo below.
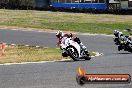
59, 34
116, 32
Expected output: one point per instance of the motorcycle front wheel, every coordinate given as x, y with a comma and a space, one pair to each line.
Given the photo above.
73, 53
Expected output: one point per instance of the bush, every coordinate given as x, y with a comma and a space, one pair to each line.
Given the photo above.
17, 4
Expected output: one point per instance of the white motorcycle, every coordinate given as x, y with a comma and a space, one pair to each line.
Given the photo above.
74, 50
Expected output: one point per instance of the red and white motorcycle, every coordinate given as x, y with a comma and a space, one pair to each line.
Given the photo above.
74, 50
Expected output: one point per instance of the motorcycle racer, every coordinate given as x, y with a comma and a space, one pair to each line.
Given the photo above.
62, 37
121, 37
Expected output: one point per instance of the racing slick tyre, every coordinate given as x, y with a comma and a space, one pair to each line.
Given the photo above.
73, 53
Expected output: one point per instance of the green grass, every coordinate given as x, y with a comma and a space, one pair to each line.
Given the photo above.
78, 22
19, 54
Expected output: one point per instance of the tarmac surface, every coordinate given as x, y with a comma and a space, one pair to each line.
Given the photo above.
62, 74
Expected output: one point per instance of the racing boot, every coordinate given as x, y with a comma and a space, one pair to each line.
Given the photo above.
119, 48
64, 54
116, 41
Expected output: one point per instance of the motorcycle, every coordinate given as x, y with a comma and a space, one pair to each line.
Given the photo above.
74, 50
123, 45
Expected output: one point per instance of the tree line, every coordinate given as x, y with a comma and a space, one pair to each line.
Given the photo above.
18, 4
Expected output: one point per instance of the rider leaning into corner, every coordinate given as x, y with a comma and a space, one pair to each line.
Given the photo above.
121, 36
62, 36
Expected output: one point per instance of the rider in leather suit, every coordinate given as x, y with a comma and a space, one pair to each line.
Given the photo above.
60, 35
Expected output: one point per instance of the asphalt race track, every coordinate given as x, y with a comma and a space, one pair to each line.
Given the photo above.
62, 74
